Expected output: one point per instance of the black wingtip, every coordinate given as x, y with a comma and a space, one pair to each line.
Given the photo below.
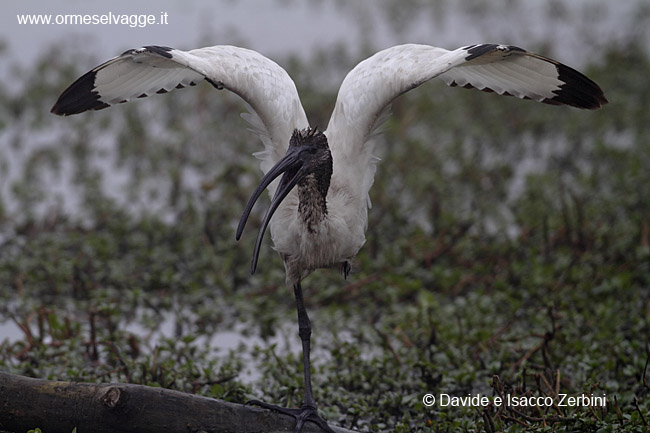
578, 90
80, 96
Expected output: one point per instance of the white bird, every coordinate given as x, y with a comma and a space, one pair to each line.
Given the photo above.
322, 222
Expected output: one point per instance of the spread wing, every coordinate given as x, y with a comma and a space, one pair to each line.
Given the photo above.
266, 87
513, 71
370, 87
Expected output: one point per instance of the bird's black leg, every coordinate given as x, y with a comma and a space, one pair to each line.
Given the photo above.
304, 331
345, 269
307, 411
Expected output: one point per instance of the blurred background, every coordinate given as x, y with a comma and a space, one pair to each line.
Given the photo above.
507, 238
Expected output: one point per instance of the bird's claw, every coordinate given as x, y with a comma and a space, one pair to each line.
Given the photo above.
303, 414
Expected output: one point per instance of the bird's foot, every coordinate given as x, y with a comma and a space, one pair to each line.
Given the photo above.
303, 414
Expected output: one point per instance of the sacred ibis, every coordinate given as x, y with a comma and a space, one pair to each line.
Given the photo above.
319, 209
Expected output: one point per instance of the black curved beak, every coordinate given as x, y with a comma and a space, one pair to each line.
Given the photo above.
292, 167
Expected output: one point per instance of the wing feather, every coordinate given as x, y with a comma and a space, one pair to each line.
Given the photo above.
266, 87
375, 82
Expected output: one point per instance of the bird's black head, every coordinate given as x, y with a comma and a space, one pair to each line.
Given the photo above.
311, 146
308, 162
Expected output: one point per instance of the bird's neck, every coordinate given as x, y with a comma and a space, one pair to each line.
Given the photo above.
312, 203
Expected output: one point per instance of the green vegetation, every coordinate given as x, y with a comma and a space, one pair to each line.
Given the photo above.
477, 277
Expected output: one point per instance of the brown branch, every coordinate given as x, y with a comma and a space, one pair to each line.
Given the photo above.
56, 406
635, 402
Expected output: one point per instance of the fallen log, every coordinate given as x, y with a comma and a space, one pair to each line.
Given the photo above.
57, 406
